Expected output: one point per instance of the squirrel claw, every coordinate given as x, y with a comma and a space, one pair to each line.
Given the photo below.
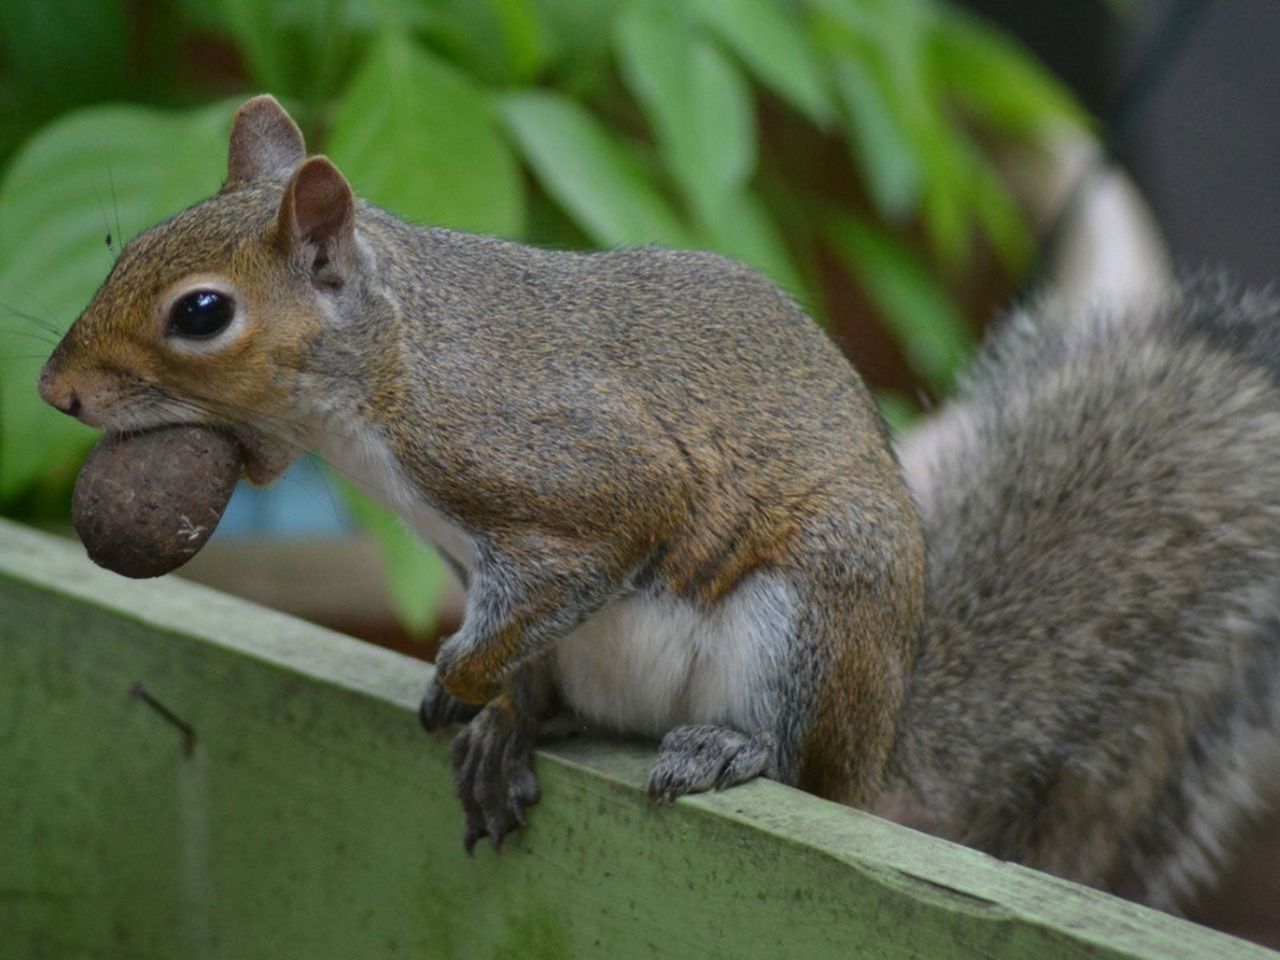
493, 776
701, 757
440, 708
469, 840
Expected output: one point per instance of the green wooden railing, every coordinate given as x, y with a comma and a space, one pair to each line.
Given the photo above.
305, 814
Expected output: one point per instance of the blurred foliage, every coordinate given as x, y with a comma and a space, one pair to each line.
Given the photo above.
576, 123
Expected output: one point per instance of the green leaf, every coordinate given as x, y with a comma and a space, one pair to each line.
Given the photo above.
1003, 222
104, 170
879, 55
911, 148
899, 413
524, 40
326, 36
696, 101
884, 149
966, 192
65, 52
255, 27
498, 42
745, 231
578, 33
948, 199
998, 81
592, 176
773, 43
415, 136
418, 579
930, 329
300, 49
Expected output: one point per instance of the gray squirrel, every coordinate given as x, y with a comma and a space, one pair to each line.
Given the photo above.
677, 513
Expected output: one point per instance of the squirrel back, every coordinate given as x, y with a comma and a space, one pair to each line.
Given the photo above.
1097, 688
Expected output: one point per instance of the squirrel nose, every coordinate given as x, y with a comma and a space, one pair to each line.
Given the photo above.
72, 406
57, 395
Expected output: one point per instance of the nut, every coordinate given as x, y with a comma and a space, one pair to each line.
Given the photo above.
145, 503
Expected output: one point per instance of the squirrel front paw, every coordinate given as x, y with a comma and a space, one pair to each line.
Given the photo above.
701, 757
493, 773
440, 708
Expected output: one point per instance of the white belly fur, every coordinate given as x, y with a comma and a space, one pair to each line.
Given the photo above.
648, 663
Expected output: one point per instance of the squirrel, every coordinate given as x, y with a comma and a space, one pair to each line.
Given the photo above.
1046, 626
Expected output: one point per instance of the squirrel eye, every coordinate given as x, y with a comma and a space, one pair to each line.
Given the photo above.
202, 314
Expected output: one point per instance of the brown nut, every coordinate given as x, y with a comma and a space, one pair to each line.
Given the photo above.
145, 503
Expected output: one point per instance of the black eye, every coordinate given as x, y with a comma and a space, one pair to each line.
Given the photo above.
202, 314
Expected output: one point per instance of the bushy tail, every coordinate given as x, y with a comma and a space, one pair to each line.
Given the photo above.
1098, 683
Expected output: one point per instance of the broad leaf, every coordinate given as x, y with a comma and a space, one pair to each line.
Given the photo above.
697, 102
998, 81
948, 196
922, 318
60, 65
524, 40
773, 43
300, 49
498, 42
255, 26
884, 150
1003, 222
414, 135
578, 33
592, 176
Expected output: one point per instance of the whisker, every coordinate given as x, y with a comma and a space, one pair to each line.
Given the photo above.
106, 223
115, 204
210, 405
276, 427
255, 420
46, 325
30, 335
47, 312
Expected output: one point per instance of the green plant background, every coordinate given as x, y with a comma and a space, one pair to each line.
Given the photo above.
573, 123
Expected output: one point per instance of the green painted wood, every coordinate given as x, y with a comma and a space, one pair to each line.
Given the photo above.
314, 819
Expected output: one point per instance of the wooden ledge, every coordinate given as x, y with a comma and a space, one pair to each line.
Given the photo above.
310, 817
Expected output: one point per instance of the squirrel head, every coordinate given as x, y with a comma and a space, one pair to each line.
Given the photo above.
209, 317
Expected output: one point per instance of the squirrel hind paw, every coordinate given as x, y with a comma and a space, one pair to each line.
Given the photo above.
701, 757
493, 775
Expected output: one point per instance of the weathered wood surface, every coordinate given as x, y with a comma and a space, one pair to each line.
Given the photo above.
313, 818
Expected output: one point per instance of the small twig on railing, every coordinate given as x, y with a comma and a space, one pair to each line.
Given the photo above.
139, 692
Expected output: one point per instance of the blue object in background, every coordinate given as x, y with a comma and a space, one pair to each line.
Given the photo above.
303, 503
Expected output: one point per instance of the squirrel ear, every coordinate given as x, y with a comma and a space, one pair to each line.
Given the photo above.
265, 142
318, 210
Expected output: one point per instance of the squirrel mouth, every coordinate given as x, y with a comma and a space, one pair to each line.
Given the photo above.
265, 460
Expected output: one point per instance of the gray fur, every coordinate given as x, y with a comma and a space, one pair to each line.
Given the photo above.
1099, 673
